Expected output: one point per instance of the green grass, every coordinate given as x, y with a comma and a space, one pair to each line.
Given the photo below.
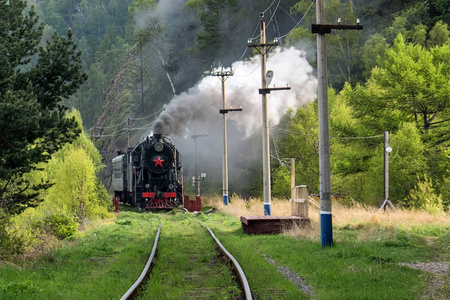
351, 269
102, 263
188, 264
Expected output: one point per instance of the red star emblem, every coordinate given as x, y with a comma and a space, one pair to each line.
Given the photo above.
158, 162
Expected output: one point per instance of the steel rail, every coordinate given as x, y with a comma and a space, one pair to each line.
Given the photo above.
133, 289
237, 268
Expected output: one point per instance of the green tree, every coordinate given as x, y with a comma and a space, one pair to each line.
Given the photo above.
74, 188
373, 51
423, 196
439, 35
300, 141
410, 85
209, 13
408, 96
139, 5
76, 195
32, 119
406, 162
343, 46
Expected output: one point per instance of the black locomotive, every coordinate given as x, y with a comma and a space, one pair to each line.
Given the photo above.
149, 175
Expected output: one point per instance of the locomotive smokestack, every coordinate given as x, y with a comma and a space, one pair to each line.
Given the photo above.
157, 137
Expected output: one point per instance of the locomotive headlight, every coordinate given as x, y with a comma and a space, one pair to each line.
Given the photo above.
159, 147
170, 186
147, 185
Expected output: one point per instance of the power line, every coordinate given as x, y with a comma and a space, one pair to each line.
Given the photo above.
357, 137
271, 5
257, 26
137, 119
273, 15
131, 119
335, 138
296, 25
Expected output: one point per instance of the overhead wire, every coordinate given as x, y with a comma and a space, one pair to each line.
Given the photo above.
239, 61
296, 25
256, 29
357, 137
271, 5
280, 37
149, 116
273, 14
335, 138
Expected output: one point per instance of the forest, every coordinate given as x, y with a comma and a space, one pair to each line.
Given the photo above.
80, 80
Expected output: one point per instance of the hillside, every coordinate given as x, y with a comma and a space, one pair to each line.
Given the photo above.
172, 57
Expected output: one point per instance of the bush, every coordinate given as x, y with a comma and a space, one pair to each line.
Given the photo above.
61, 226
424, 197
10, 243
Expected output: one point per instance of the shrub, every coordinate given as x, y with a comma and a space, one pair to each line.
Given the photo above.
424, 197
61, 226
10, 243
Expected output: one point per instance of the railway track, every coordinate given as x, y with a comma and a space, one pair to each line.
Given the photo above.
193, 284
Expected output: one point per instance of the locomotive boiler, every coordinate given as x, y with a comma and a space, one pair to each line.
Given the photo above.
149, 175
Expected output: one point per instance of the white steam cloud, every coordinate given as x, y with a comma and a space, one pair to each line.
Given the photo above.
203, 101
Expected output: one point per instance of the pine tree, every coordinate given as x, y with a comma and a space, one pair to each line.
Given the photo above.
34, 80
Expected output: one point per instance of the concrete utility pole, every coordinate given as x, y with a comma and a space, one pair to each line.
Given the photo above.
263, 48
387, 150
265, 137
326, 229
197, 179
224, 74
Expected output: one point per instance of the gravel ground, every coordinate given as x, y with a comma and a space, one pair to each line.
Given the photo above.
438, 282
439, 268
292, 276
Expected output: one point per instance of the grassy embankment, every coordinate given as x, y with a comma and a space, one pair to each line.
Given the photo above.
98, 263
364, 263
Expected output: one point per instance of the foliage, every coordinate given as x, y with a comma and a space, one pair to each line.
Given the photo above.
423, 196
11, 243
103, 31
60, 213
140, 5
74, 189
406, 95
343, 46
300, 133
282, 179
406, 161
61, 225
34, 80
409, 86
96, 262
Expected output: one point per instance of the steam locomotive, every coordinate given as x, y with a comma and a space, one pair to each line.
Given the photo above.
149, 175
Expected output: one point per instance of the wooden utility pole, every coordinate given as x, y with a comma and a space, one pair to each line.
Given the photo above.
224, 74
263, 48
292, 160
292, 177
326, 229
387, 150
